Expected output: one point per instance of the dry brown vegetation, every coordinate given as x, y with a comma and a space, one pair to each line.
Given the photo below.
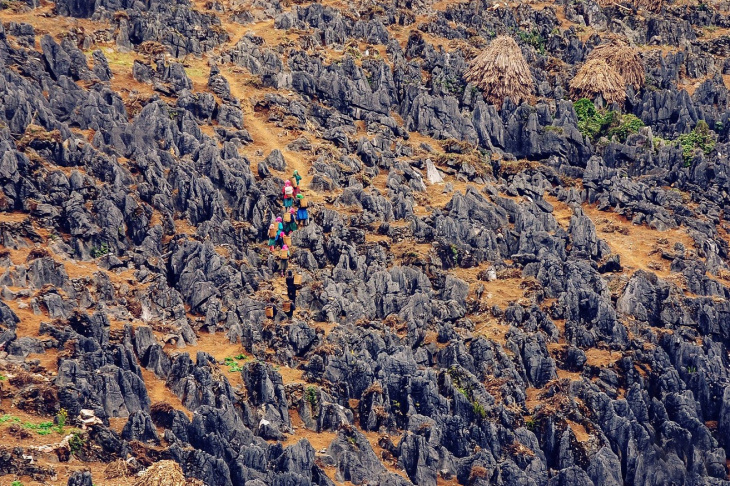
501, 72
597, 78
624, 59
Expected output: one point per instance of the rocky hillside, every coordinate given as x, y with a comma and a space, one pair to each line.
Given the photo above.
509, 295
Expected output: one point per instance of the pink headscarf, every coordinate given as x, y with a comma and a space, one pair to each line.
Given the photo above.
279, 220
291, 210
284, 247
287, 183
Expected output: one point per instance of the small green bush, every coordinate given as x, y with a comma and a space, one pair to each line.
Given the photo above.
310, 395
479, 409
534, 39
61, 418
76, 442
627, 125
701, 138
99, 252
595, 124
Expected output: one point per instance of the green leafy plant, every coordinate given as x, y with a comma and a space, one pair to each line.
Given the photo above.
76, 443
16, 483
534, 39
43, 428
479, 409
61, 417
595, 124
627, 124
233, 366
3, 378
99, 252
530, 424
310, 395
691, 369
701, 138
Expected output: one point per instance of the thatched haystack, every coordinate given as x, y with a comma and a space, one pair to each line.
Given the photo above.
624, 59
595, 78
501, 71
163, 473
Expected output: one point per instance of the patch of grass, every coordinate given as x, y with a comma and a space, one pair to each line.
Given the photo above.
118, 59
16, 483
43, 428
691, 369
701, 138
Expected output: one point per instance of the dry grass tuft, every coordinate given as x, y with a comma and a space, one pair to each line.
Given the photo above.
596, 78
501, 71
624, 59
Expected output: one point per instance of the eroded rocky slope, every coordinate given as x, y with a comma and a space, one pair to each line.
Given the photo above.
553, 312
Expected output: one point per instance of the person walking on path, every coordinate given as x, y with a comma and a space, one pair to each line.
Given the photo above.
292, 221
284, 259
287, 221
272, 236
291, 288
302, 212
288, 192
297, 181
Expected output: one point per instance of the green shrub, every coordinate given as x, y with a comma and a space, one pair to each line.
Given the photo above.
61, 418
76, 442
701, 138
595, 124
627, 125
533, 39
99, 252
479, 409
16, 483
310, 395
